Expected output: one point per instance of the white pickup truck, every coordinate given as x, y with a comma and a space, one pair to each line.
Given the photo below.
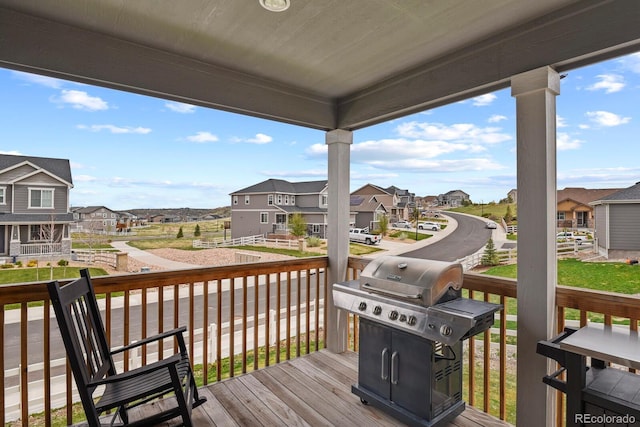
362, 235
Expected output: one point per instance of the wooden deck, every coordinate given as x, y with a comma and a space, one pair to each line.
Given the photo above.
313, 390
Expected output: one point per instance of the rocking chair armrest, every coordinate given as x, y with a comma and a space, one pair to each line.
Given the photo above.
158, 337
167, 363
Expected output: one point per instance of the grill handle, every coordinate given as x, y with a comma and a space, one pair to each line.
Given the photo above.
384, 374
388, 292
394, 368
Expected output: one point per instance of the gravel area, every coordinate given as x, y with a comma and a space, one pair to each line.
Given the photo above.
204, 257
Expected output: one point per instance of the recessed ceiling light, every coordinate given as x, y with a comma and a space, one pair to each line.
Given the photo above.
275, 5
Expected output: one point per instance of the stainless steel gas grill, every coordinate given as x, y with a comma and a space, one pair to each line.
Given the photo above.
412, 323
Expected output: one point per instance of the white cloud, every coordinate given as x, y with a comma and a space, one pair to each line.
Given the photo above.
483, 100
81, 100
313, 173
565, 142
607, 119
459, 132
12, 153
497, 118
560, 122
454, 165
610, 83
180, 107
39, 80
631, 62
203, 137
84, 178
260, 138
115, 129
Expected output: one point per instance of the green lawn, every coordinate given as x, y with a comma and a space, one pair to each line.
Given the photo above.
32, 274
601, 276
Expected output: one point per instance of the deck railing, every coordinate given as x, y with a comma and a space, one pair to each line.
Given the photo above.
250, 329
238, 318
40, 248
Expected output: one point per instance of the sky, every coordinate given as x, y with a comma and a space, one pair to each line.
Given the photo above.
131, 151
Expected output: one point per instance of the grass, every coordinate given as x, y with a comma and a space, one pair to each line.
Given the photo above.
488, 210
410, 235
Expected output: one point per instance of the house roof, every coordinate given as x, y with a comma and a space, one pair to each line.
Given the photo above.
330, 64
90, 209
584, 195
365, 204
631, 194
57, 167
282, 186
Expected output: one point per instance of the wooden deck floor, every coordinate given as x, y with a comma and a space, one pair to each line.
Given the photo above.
313, 390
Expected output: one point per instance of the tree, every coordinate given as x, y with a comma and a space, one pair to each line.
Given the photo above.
196, 232
180, 234
490, 255
297, 225
383, 224
508, 216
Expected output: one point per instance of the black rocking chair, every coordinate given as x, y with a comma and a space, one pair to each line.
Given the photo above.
92, 364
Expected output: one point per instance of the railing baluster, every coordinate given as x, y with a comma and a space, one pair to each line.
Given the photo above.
192, 321
3, 415
24, 361
503, 358
46, 325
205, 332
487, 363
298, 312
256, 314
307, 317
267, 320
244, 325
143, 331
219, 331
288, 317
232, 330
472, 366
160, 321
278, 304
125, 325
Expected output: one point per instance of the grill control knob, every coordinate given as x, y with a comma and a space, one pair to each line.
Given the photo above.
412, 320
362, 306
403, 317
445, 330
377, 310
393, 315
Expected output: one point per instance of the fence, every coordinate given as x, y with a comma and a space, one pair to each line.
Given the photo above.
258, 240
91, 256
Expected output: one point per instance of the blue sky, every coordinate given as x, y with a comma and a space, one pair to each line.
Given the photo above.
129, 151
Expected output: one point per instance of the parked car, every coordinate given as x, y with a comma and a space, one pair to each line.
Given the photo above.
402, 224
426, 225
362, 235
491, 225
570, 235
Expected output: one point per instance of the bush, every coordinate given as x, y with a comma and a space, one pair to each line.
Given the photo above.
19, 264
32, 263
63, 263
313, 241
6, 266
180, 234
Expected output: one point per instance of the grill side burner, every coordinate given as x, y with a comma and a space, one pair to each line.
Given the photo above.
412, 323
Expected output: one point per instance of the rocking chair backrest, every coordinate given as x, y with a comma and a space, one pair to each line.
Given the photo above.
82, 331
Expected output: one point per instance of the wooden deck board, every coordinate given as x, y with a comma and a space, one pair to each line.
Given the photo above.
313, 390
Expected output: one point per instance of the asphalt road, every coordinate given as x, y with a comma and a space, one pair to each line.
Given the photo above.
468, 238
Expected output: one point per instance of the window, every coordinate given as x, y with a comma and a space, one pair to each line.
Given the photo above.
286, 199
264, 217
315, 228
270, 200
281, 218
279, 199
247, 199
235, 200
3, 200
560, 216
40, 198
293, 200
324, 200
104, 214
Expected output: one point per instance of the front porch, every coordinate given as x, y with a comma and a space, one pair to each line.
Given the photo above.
313, 390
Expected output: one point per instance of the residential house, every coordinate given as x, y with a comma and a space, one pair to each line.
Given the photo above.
264, 208
513, 195
617, 228
95, 219
574, 209
366, 211
396, 202
34, 207
453, 198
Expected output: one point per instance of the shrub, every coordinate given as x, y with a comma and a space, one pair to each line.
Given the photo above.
180, 234
32, 263
63, 263
19, 264
313, 241
6, 266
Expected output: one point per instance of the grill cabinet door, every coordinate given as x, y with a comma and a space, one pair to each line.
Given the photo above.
374, 359
410, 378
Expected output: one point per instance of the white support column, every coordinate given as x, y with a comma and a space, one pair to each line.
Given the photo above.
339, 142
535, 93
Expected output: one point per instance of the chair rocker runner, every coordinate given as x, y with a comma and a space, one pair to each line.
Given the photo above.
92, 364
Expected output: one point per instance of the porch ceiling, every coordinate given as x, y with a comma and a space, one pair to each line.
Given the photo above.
323, 64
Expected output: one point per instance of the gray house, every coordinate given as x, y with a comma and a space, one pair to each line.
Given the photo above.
617, 226
264, 208
453, 198
367, 209
95, 219
34, 207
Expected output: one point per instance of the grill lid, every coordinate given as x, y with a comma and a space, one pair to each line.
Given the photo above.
420, 281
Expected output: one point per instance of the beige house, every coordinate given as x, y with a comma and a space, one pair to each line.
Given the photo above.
574, 209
